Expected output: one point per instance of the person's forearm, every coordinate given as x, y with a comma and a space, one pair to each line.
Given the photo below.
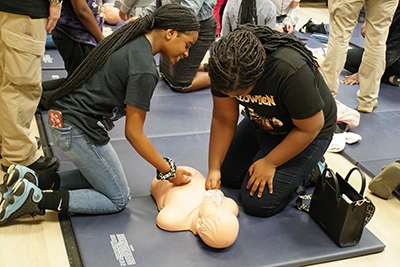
293, 144
221, 136
292, 16
126, 5
85, 15
143, 146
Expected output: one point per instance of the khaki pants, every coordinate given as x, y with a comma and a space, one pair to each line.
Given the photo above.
342, 20
22, 44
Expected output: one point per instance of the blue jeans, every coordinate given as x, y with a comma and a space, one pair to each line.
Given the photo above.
99, 185
250, 144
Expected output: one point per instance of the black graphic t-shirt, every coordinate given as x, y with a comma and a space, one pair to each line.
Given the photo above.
128, 77
288, 89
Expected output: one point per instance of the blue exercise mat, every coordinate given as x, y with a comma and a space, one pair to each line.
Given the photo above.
309, 40
131, 237
53, 74
316, 40
52, 60
178, 126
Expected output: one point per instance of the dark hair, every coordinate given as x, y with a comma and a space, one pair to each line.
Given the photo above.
169, 16
238, 59
248, 12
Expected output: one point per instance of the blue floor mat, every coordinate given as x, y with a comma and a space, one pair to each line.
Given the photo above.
178, 126
290, 238
52, 60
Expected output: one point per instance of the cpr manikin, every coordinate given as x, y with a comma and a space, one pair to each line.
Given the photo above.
208, 214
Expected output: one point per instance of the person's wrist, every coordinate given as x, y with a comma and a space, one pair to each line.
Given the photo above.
169, 175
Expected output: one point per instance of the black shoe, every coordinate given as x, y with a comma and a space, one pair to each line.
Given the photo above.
43, 164
395, 80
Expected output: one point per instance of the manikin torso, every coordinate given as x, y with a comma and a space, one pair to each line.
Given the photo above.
179, 205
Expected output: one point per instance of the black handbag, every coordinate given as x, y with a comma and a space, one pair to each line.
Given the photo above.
311, 27
338, 208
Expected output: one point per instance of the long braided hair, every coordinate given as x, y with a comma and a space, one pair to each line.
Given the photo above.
238, 60
248, 12
170, 16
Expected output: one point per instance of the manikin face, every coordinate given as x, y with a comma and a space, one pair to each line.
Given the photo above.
211, 204
217, 226
178, 44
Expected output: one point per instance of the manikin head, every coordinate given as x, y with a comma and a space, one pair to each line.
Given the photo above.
217, 226
111, 14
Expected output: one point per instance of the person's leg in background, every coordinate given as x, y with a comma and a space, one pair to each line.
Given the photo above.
72, 53
22, 46
343, 15
353, 61
392, 74
379, 15
184, 76
218, 12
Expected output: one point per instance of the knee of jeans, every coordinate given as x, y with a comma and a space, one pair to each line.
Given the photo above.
121, 202
258, 207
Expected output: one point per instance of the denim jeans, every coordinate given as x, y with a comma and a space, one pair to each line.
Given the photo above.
250, 144
99, 185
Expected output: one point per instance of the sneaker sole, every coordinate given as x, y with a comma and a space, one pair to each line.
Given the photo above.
28, 175
17, 190
20, 194
10, 182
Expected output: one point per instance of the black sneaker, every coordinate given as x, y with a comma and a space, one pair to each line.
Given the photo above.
43, 164
395, 80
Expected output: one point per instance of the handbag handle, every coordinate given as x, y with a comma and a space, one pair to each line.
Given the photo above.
335, 180
363, 182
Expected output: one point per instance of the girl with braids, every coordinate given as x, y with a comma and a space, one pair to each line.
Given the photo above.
186, 76
290, 117
117, 78
237, 12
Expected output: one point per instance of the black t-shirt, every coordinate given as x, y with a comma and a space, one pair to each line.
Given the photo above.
128, 77
32, 8
288, 89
